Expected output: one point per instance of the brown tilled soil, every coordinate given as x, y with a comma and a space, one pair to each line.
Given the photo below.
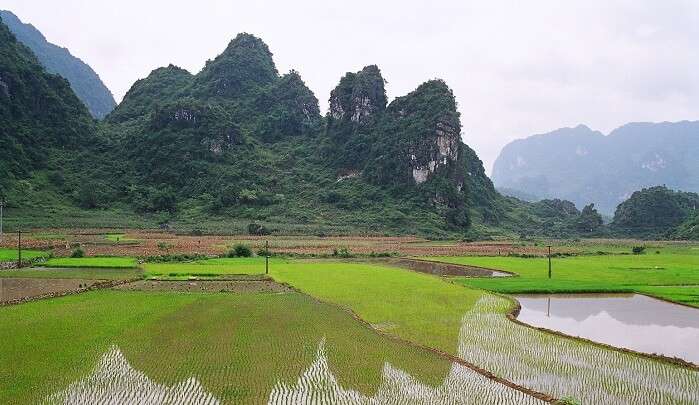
153, 243
229, 286
14, 289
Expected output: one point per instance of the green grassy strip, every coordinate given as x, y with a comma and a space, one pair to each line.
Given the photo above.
92, 262
8, 255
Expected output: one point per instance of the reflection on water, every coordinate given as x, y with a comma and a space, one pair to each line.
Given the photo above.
114, 381
462, 385
630, 321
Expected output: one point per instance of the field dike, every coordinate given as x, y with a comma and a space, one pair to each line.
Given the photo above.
568, 367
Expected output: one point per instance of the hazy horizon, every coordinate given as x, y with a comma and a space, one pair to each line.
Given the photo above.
515, 70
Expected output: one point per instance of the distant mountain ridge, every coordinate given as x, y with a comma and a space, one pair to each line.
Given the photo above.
585, 166
86, 84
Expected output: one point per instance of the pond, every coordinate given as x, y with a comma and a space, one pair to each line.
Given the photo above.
630, 321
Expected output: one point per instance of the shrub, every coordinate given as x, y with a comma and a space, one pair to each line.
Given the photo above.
264, 252
638, 250
164, 246
240, 250
257, 229
77, 253
342, 252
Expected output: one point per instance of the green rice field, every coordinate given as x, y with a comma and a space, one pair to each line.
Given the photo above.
92, 262
657, 274
248, 348
8, 255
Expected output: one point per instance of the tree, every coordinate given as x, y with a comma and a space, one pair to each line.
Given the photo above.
589, 220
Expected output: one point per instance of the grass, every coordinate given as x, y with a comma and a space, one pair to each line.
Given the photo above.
684, 295
92, 262
75, 273
210, 268
238, 346
580, 274
119, 238
414, 306
8, 255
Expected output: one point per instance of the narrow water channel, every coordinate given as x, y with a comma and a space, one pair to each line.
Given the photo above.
628, 321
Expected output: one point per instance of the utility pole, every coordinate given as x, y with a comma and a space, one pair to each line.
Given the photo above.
19, 249
266, 257
2, 205
549, 261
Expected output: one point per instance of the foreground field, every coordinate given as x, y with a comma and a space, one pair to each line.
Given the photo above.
247, 348
284, 346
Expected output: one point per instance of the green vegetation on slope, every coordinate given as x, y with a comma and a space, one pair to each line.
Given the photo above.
657, 212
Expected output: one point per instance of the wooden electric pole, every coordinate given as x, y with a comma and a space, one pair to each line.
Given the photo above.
19, 249
2, 206
549, 261
266, 257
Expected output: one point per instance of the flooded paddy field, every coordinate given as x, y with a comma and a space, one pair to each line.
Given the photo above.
14, 289
445, 269
630, 321
155, 347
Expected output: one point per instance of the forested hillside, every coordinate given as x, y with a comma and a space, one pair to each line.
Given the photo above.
239, 147
40, 118
86, 84
659, 212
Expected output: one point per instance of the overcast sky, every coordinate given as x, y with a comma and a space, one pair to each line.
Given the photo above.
517, 67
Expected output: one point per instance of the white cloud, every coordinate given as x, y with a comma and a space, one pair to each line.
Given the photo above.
517, 68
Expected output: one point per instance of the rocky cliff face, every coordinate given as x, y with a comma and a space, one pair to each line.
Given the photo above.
420, 135
358, 97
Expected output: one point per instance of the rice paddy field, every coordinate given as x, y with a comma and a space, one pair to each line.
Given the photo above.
342, 332
665, 272
7, 255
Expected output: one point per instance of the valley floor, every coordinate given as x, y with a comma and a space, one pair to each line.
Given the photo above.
341, 331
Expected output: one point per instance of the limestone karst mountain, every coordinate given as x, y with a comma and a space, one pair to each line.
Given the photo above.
585, 166
86, 84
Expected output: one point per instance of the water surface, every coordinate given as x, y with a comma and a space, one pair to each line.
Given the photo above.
630, 321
